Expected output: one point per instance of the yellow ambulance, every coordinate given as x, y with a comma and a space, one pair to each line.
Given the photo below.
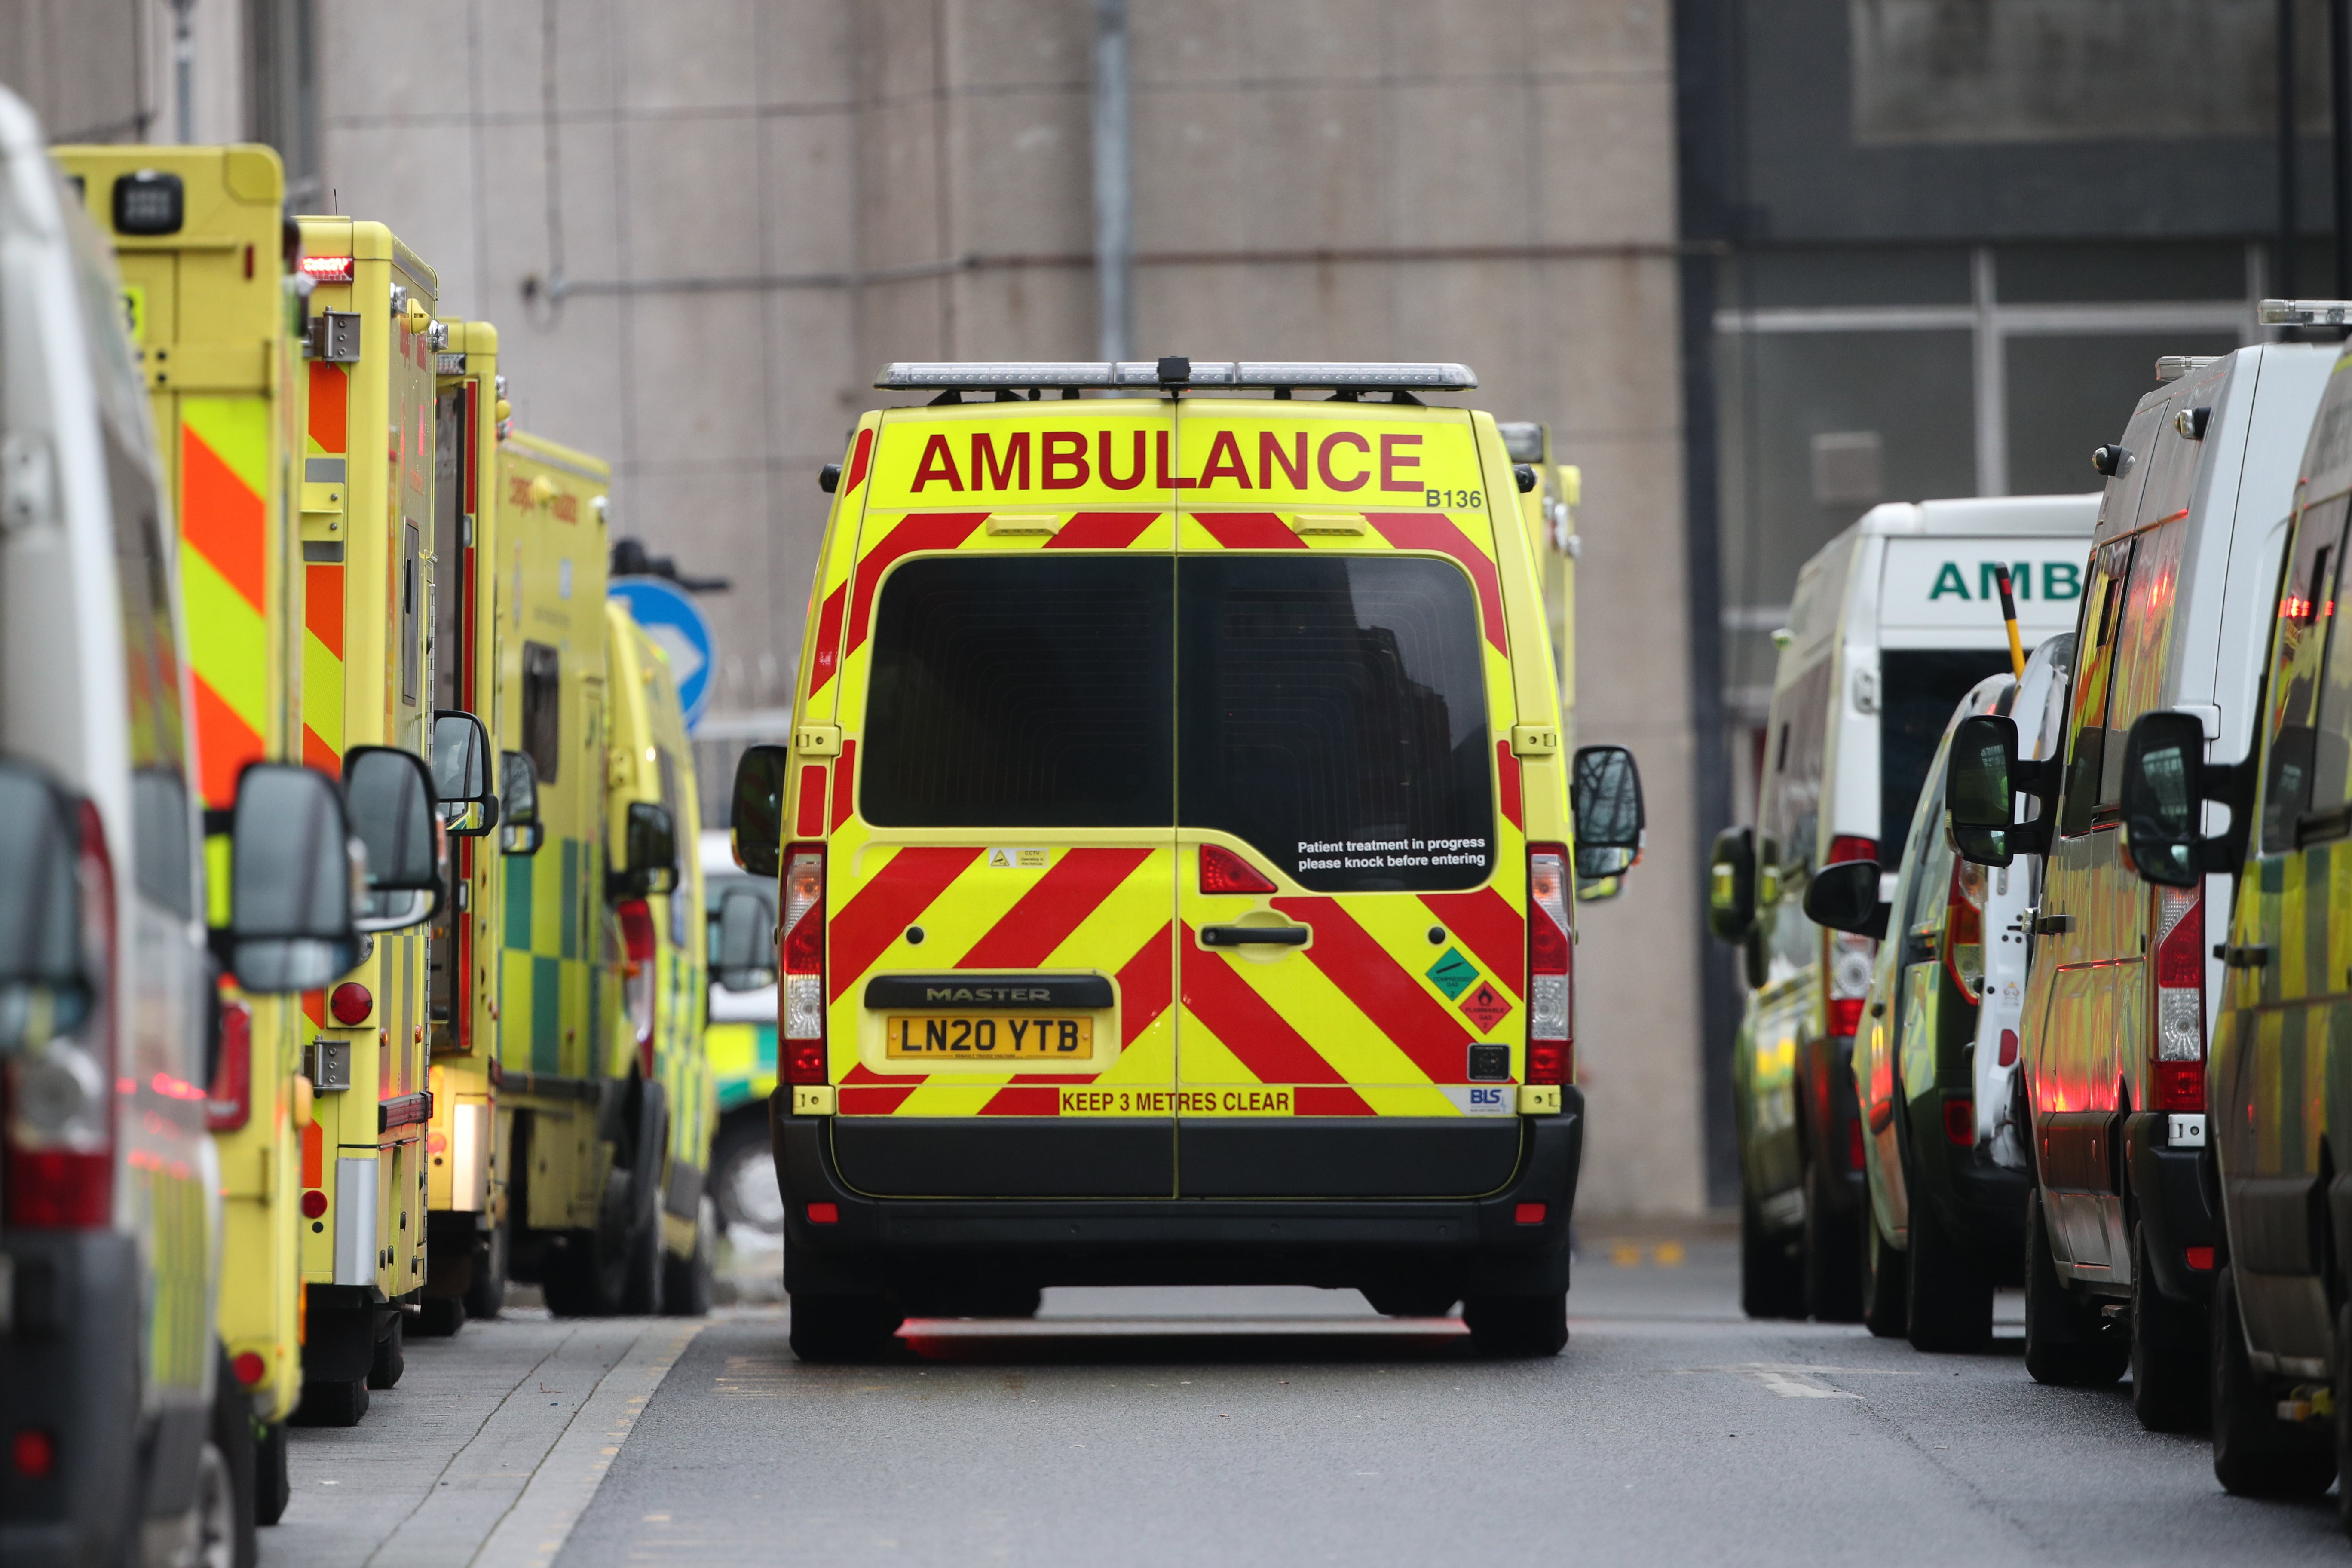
1173, 854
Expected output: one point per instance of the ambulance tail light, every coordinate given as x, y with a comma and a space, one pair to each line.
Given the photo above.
57, 1100
1846, 958
328, 269
641, 948
802, 940
2180, 1044
230, 1103
1964, 930
1552, 1036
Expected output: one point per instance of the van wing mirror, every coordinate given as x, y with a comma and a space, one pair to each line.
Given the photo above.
392, 811
1844, 897
757, 830
1731, 885
519, 831
2167, 782
461, 774
743, 941
1605, 799
46, 990
648, 853
1984, 778
292, 875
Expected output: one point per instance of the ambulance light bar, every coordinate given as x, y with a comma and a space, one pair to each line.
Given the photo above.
328, 269
2305, 312
1337, 376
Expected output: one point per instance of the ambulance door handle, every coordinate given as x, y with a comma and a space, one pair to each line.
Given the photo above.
1255, 936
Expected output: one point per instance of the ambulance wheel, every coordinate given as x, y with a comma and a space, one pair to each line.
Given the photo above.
843, 1328
272, 1491
2255, 1454
337, 1404
1408, 1301
744, 1179
2170, 1382
1771, 1281
2342, 1419
486, 1288
641, 1294
439, 1317
1948, 1294
391, 1361
1885, 1282
224, 1481
686, 1281
2064, 1345
1832, 1258
1517, 1325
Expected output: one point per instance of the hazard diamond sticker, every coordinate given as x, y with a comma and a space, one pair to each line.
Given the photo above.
1484, 1007
1452, 973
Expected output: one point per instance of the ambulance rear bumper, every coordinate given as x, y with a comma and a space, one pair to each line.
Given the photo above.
69, 1371
1477, 1246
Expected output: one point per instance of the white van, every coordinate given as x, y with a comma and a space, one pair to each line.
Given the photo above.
2179, 597
129, 1439
1894, 621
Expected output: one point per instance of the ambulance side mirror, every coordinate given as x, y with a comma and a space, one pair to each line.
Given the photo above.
1605, 798
292, 874
1731, 885
45, 989
743, 941
757, 832
461, 774
2167, 782
392, 810
1844, 897
519, 831
648, 853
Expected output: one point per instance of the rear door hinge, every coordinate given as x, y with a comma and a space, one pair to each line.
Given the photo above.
1535, 740
817, 740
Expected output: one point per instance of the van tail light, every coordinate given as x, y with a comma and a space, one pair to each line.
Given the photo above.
802, 940
1960, 1121
1223, 871
58, 1121
1551, 968
2179, 1045
1964, 930
641, 951
1846, 958
229, 1104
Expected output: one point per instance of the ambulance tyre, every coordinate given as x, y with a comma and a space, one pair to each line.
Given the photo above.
1832, 1254
440, 1317
2064, 1345
342, 1402
2255, 1454
743, 1178
2342, 1422
2170, 1382
1517, 1326
223, 1525
1771, 1282
843, 1328
1410, 1301
272, 1491
641, 1294
686, 1281
1948, 1294
1886, 1283
391, 1359
486, 1287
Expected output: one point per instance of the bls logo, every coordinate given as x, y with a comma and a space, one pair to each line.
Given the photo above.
1484, 1099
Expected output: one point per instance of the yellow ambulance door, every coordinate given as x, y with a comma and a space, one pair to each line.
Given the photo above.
998, 833
1351, 868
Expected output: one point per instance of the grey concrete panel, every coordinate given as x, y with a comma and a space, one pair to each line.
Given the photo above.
1461, 164
566, 374
998, 44
393, 61
898, 153
1477, 40
814, 387
419, 179
694, 56
694, 378
694, 196
1602, 144
1024, 174
805, 52
808, 199
1031, 312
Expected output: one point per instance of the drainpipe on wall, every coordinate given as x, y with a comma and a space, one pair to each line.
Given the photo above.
1114, 184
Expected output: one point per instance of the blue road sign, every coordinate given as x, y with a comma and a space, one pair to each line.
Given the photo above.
677, 627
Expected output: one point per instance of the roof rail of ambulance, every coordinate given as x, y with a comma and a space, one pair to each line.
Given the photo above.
1173, 372
2305, 312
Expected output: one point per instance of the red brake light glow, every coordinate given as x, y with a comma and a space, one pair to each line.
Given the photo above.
824, 1213
2179, 1046
230, 1103
801, 1002
58, 1104
641, 946
1551, 1035
328, 269
1223, 871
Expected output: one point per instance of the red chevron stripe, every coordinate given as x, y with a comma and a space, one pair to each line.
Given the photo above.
1311, 1101
883, 908
1249, 531
225, 743
874, 1102
934, 530
330, 391
1024, 1099
860, 1073
1507, 773
858, 456
1247, 1022
1392, 1000
222, 517
1044, 916
1436, 531
827, 658
808, 811
1101, 530
322, 605
844, 773
1146, 985
1488, 927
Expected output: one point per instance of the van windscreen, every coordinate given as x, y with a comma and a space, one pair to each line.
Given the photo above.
1920, 689
1332, 714
1024, 691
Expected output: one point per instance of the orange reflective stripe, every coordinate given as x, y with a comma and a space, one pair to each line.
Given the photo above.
225, 743
1436, 531
918, 530
330, 391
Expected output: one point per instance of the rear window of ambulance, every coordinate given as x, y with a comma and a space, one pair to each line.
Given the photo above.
1022, 692
1332, 713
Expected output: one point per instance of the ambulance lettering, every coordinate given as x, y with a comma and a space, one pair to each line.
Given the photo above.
1343, 461
2060, 580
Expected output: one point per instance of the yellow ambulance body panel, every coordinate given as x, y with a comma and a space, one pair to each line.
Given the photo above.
213, 310
368, 551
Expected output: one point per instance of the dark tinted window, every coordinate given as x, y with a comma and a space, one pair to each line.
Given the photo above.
1333, 714
1918, 690
542, 708
1028, 692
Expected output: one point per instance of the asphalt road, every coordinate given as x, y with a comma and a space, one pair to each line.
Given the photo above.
1264, 1427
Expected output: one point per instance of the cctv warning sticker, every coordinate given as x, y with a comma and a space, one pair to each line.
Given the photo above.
1018, 859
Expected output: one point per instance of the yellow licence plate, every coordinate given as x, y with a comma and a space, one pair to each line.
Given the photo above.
990, 1035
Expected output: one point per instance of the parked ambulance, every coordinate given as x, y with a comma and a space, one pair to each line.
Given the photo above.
740, 1040
1893, 620
1175, 879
